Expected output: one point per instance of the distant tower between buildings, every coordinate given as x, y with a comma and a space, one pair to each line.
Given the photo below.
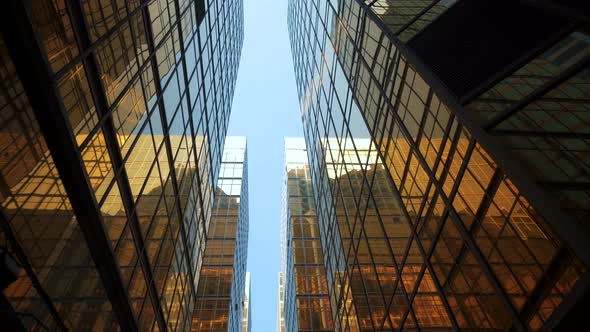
247, 317
221, 292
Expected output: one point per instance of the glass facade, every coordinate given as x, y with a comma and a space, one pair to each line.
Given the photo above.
112, 124
428, 217
221, 289
305, 275
281, 304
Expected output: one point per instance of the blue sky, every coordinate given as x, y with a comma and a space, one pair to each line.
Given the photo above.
265, 109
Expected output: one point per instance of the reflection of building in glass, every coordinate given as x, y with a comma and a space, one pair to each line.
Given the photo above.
305, 298
449, 160
223, 275
112, 124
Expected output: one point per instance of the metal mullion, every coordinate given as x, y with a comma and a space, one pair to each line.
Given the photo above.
355, 57
381, 116
436, 194
394, 68
556, 144
379, 47
443, 220
363, 219
208, 43
391, 67
411, 298
427, 112
105, 118
578, 101
348, 222
168, 145
478, 216
452, 148
538, 93
132, 80
190, 120
543, 134
99, 41
48, 109
462, 229
404, 177
24, 261
334, 229
19, 207
562, 222
397, 266
357, 265
571, 303
336, 232
426, 204
415, 18
485, 267
110, 136
151, 222
520, 62
559, 264
415, 238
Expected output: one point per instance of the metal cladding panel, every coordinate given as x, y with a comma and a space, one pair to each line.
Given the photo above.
480, 38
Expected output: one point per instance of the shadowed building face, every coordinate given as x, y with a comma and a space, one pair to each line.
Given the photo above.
448, 163
112, 128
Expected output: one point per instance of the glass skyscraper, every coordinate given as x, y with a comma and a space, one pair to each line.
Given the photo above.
222, 282
113, 118
305, 295
448, 155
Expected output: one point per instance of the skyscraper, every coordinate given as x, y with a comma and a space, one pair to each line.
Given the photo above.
305, 292
222, 282
447, 145
247, 316
281, 301
112, 124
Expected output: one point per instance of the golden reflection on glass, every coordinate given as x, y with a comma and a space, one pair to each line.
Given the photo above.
39, 214
213, 309
311, 288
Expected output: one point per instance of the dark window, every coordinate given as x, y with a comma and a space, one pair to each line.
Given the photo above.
200, 11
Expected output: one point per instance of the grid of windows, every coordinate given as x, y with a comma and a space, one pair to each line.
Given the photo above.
144, 89
420, 226
39, 225
540, 112
537, 109
307, 275
223, 275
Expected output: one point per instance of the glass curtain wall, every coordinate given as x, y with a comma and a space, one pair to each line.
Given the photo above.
223, 275
392, 160
107, 216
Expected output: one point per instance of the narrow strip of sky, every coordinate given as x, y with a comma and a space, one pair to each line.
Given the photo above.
265, 109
